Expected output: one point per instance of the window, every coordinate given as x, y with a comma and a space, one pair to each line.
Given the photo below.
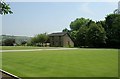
53, 42
52, 38
68, 42
59, 38
59, 43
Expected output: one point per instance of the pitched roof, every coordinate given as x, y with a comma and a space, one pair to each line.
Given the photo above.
58, 34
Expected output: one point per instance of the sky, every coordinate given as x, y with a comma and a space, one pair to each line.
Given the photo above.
31, 18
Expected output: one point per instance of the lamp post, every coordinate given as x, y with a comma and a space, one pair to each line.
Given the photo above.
117, 11
119, 7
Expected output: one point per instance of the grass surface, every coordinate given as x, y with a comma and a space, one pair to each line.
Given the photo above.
22, 47
62, 63
0, 61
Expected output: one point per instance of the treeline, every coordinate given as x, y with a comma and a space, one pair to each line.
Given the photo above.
84, 33
41, 40
37, 40
10, 40
100, 34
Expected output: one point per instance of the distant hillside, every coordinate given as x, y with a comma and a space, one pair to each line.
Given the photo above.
18, 39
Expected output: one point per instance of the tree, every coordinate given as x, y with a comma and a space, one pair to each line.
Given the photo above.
73, 35
39, 39
75, 26
65, 30
8, 42
23, 42
86, 32
79, 22
103, 24
113, 30
81, 36
34, 40
91, 35
96, 35
5, 8
42, 38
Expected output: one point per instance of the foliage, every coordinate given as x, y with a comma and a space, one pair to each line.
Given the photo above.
113, 30
8, 42
96, 35
81, 36
73, 35
5, 8
88, 33
23, 42
18, 39
34, 40
92, 35
39, 39
103, 24
65, 30
79, 22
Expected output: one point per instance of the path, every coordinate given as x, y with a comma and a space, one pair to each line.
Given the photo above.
37, 49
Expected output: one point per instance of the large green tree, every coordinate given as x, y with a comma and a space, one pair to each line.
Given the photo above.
81, 36
96, 35
91, 35
74, 29
103, 24
113, 30
86, 32
79, 22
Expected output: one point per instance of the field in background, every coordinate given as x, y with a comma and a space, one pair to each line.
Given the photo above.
62, 63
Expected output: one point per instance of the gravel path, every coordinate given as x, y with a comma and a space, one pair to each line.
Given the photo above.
37, 49
25, 50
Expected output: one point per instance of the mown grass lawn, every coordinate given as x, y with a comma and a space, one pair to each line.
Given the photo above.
62, 63
22, 47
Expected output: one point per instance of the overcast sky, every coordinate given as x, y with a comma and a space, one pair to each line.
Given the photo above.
30, 18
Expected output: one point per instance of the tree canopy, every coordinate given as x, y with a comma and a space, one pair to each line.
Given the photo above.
39, 39
8, 42
113, 30
5, 8
88, 33
79, 22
